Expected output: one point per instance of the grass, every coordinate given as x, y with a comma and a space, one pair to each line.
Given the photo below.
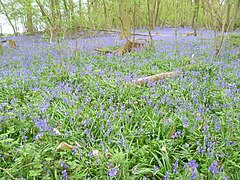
182, 128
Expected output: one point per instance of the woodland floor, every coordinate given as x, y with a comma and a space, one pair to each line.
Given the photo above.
67, 111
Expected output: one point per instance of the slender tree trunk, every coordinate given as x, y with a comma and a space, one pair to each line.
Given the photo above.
157, 11
227, 25
8, 18
195, 16
105, 14
44, 14
175, 16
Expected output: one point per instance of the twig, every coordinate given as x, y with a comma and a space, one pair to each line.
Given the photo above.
7, 172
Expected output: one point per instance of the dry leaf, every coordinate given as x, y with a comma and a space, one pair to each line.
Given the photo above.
172, 131
164, 150
64, 146
96, 153
56, 131
107, 154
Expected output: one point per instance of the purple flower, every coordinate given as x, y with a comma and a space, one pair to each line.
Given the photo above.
42, 125
91, 154
193, 164
193, 167
166, 176
64, 175
156, 168
134, 171
113, 172
175, 166
64, 165
185, 122
214, 167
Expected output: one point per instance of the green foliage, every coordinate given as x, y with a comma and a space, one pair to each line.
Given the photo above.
234, 39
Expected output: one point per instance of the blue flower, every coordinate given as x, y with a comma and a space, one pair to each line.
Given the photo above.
156, 168
166, 176
214, 167
193, 167
175, 166
113, 172
64, 175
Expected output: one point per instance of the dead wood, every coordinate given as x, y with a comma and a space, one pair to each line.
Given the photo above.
103, 51
189, 34
129, 47
10, 43
117, 31
156, 77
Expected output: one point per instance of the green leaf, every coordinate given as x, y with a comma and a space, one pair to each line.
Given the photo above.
34, 173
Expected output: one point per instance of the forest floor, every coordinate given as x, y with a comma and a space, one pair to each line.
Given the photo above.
69, 112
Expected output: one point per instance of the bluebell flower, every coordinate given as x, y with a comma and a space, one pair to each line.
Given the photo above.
113, 172
156, 168
166, 176
134, 171
214, 167
175, 166
64, 175
90, 154
193, 168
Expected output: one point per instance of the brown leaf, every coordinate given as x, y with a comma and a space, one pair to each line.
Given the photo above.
64, 146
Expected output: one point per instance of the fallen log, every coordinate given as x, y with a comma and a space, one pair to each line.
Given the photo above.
188, 34
156, 77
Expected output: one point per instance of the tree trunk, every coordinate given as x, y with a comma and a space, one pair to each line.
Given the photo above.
157, 11
105, 14
125, 19
30, 27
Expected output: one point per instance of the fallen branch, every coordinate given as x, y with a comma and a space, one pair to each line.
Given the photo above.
189, 34
103, 50
118, 31
156, 77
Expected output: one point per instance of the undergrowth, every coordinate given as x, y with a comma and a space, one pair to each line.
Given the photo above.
182, 128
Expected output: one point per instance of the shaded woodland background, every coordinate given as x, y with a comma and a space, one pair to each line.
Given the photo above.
61, 17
